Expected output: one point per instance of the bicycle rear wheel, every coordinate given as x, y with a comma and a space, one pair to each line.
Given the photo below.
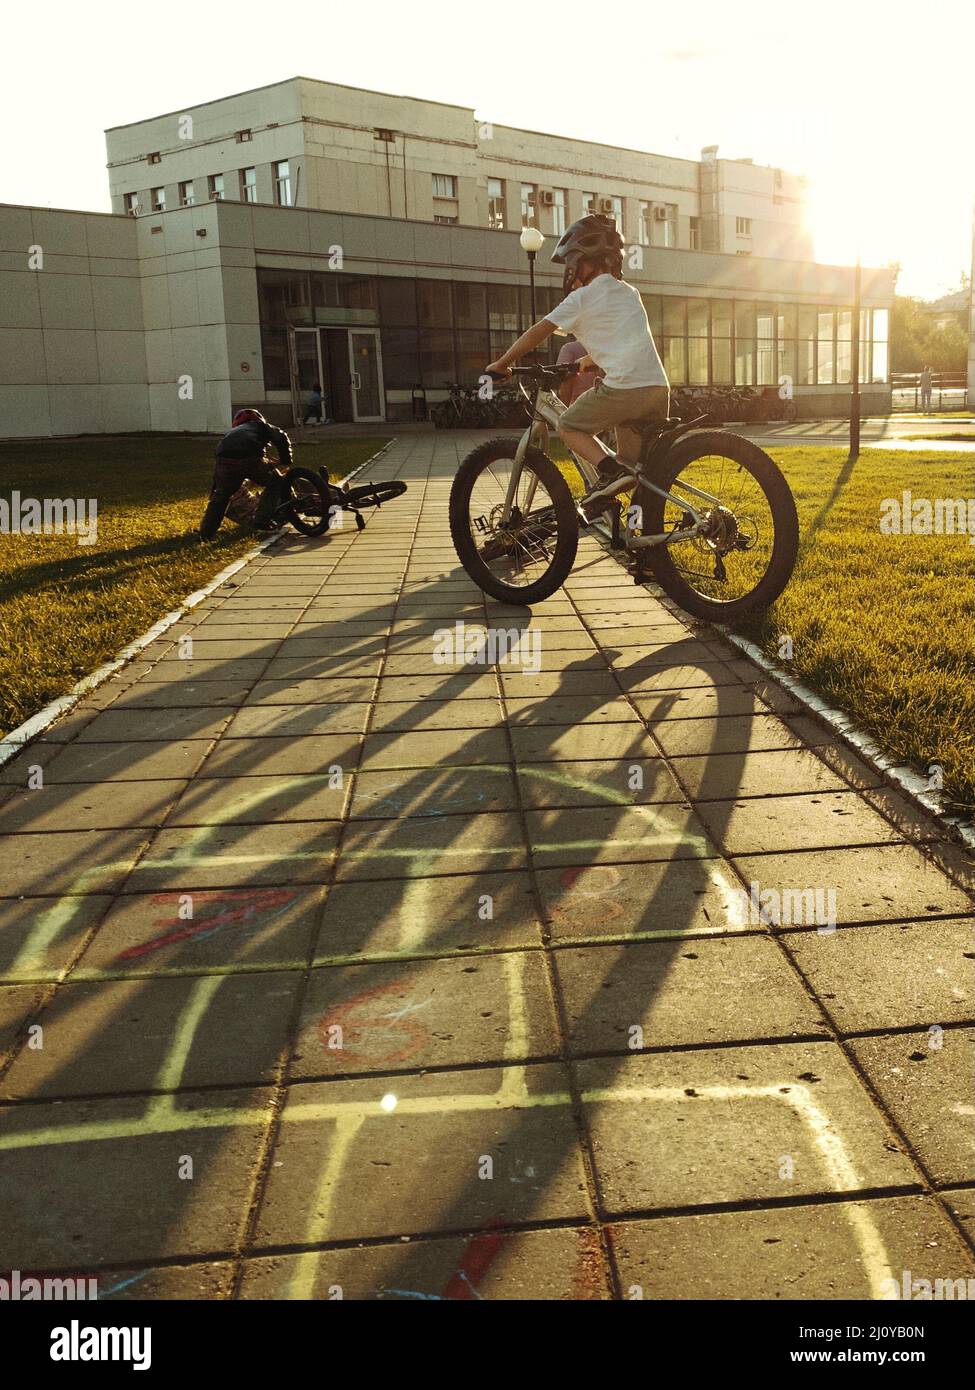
306, 500
746, 555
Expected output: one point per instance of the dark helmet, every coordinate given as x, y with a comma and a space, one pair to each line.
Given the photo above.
593, 238
243, 415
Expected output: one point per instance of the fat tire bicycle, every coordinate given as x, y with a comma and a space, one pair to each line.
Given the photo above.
710, 516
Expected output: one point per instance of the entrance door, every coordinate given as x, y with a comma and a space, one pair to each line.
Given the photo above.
366, 374
306, 370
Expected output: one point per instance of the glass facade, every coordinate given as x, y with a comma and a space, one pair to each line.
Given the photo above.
434, 332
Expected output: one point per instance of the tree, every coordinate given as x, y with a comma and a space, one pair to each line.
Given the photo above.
916, 341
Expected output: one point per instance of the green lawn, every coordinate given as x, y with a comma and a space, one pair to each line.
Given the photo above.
884, 625
66, 608
881, 625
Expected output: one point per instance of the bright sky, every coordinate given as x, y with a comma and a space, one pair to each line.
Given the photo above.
872, 100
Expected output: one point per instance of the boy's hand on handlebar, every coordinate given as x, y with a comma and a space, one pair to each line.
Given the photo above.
498, 369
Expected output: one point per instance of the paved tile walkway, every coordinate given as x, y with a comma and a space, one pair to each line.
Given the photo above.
328, 968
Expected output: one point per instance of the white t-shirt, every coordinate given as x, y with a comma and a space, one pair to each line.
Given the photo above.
608, 316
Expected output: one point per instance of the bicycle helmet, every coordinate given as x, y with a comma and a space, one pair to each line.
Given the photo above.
243, 415
593, 238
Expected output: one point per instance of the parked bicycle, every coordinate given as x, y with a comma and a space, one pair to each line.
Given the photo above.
466, 408
733, 404
709, 515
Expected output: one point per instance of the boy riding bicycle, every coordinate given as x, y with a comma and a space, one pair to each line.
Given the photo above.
608, 316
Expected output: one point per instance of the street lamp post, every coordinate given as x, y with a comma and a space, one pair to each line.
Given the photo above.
532, 241
855, 369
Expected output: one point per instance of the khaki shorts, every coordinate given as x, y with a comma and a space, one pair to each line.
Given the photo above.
604, 407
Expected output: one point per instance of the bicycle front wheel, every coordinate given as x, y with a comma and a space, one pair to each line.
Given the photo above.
374, 494
307, 501
525, 558
745, 555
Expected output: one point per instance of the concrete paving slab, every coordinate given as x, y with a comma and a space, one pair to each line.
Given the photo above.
615, 835
670, 898
206, 1280
156, 725
834, 1250
218, 929
438, 915
302, 755
424, 1014
225, 694
421, 845
17, 1004
297, 721
39, 937
127, 762
457, 747
490, 1264
871, 883
927, 1080
707, 702
88, 806
736, 1124
726, 776
100, 1159
233, 856
902, 975
591, 742
102, 1037
312, 692
608, 782
627, 999
424, 791
452, 684
404, 1155
406, 716
68, 861
745, 731
259, 800
824, 820
574, 710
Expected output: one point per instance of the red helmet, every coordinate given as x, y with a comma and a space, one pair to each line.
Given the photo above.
248, 414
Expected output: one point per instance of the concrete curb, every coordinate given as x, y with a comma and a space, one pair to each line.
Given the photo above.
25, 733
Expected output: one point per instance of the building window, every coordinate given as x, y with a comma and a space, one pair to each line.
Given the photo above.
282, 183
242, 136
616, 213
130, 204
743, 226
695, 233
529, 205
154, 158
248, 186
445, 186
495, 190
588, 203
644, 229
662, 221
215, 186
558, 210
445, 221
186, 196
157, 199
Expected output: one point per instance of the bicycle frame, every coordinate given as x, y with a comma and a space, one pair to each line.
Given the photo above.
547, 409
